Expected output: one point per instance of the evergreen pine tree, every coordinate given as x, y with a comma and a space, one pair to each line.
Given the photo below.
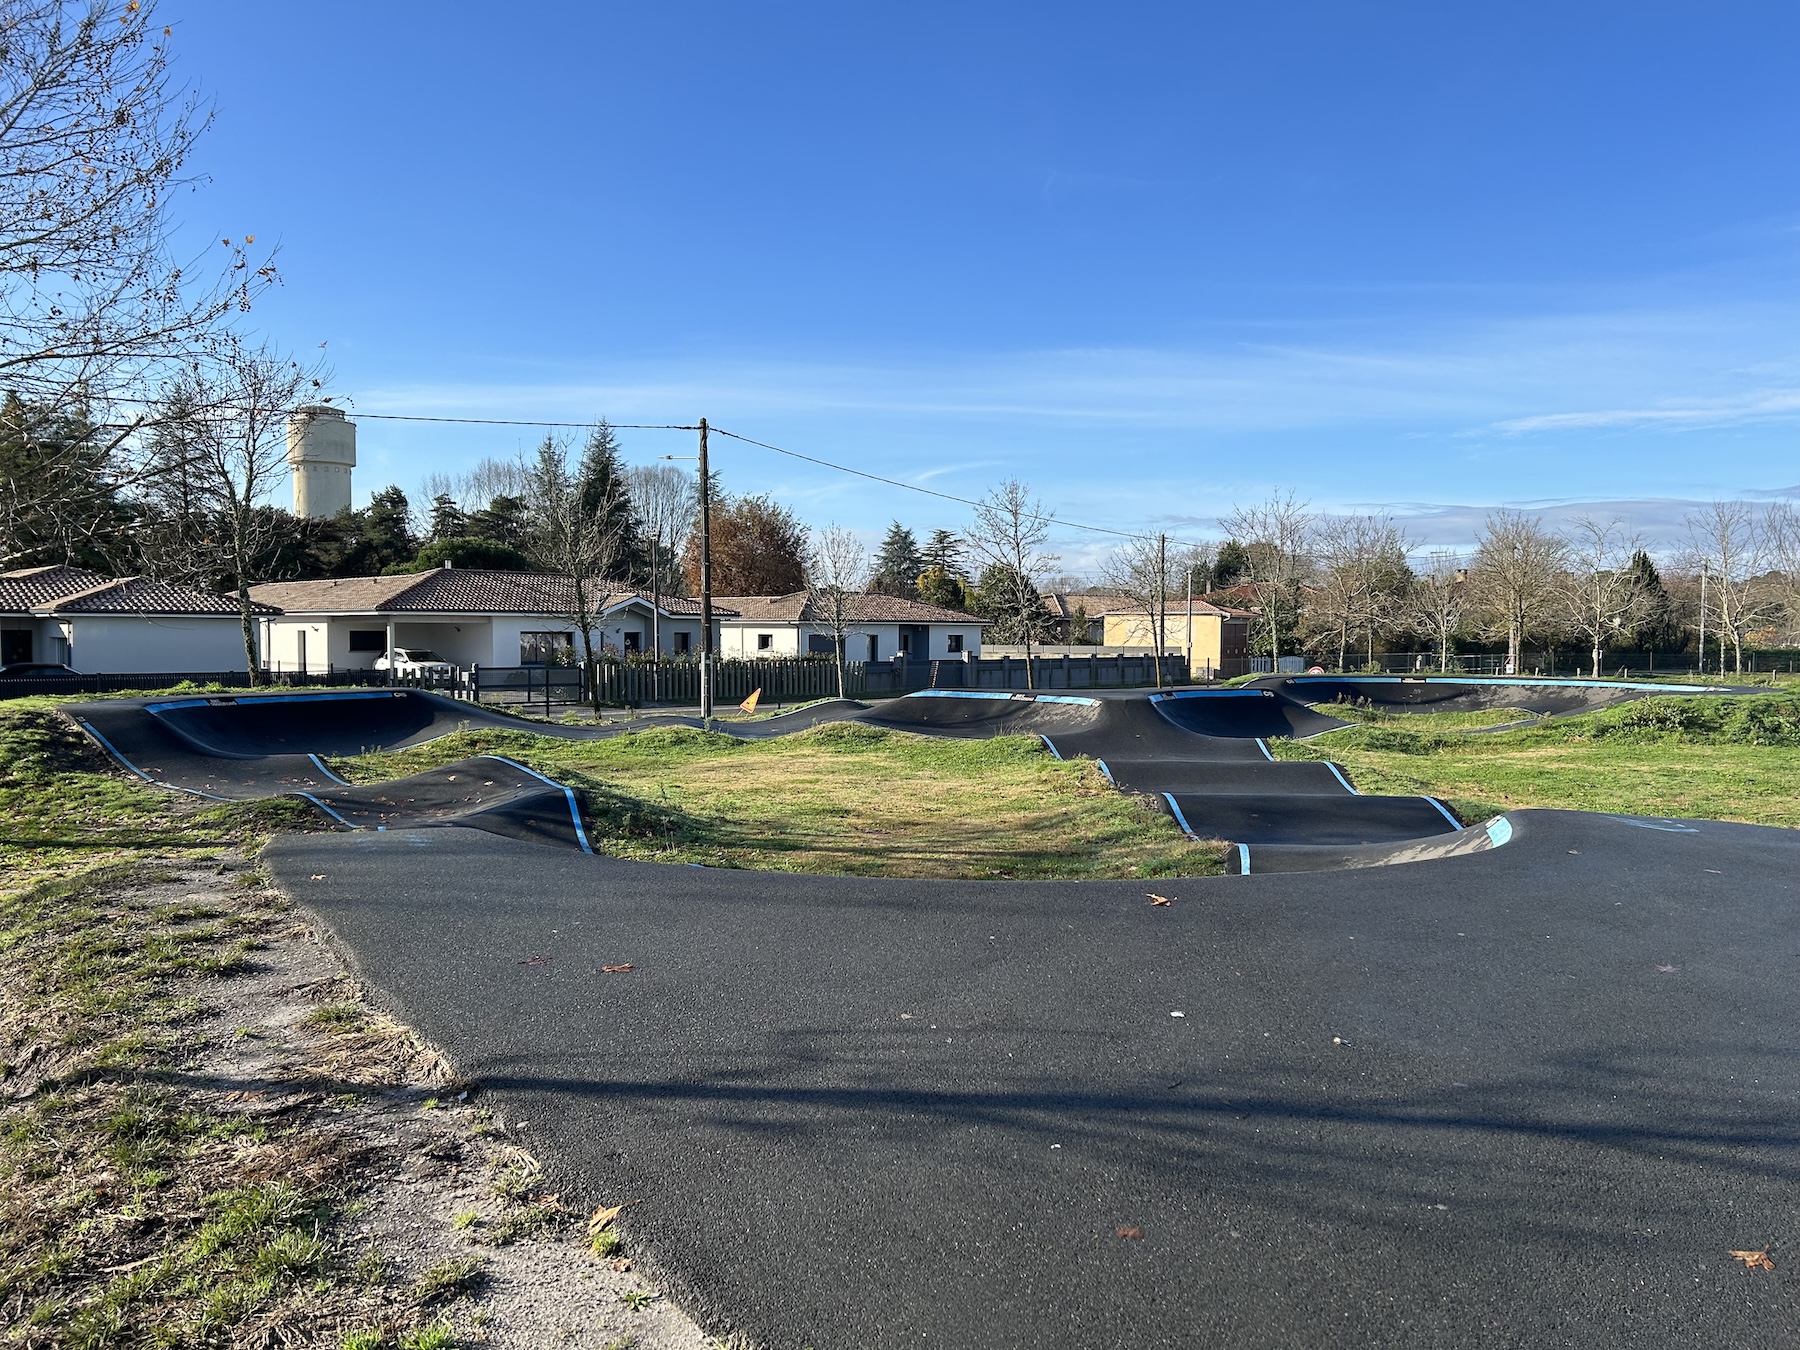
448, 520
1231, 567
897, 565
945, 551
1658, 627
605, 489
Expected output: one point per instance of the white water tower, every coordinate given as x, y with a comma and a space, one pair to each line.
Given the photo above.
321, 450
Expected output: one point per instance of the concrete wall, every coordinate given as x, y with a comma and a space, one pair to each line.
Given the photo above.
106, 644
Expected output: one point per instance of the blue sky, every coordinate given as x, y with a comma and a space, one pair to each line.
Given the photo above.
1153, 259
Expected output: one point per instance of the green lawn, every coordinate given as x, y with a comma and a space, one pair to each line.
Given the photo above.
1714, 758
841, 798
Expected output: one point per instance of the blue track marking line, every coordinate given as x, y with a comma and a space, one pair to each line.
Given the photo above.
1180, 819
1243, 860
275, 698
1444, 812
320, 765
107, 746
1499, 831
1215, 693
569, 792
1263, 746
1345, 781
1107, 772
1507, 680
1049, 745
1018, 696
326, 809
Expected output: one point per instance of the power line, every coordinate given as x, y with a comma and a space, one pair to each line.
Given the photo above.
504, 422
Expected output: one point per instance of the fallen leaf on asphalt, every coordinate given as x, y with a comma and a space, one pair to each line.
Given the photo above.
617, 970
1758, 1260
603, 1216
1667, 970
1159, 899
1130, 1233
318, 876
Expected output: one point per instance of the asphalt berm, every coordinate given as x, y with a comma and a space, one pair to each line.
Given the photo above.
1528, 1089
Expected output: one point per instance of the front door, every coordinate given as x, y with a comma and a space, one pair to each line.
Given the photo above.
915, 641
15, 646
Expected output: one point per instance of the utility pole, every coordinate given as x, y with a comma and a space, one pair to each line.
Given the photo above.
706, 606
1162, 603
1188, 645
655, 618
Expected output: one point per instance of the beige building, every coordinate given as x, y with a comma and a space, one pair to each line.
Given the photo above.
1216, 640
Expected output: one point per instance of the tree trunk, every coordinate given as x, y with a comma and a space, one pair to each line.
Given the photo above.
1596, 658
247, 616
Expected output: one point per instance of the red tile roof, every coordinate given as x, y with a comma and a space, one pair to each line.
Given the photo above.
75, 590
794, 608
454, 590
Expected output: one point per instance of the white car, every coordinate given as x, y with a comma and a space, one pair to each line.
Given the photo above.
413, 661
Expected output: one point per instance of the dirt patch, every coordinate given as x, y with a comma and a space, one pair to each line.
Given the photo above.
373, 1198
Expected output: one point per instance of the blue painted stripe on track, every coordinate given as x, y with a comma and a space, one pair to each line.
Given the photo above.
1049, 745
1215, 693
1243, 860
327, 772
113, 751
1444, 812
1499, 831
1340, 777
569, 792
326, 809
1263, 746
1107, 772
1019, 696
1506, 680
227, 699
1180, 819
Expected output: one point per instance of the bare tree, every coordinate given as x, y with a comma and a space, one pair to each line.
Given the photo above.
494, 476
580, 529
1142, 571
1602, 596
219, 451
1781, 527
667, 499
1728, 540
1009, 532
1363, 580
1437, 602
1276, 537
837, 569
94, 141
1514, 580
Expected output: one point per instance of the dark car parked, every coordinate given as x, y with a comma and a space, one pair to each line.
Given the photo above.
35, 670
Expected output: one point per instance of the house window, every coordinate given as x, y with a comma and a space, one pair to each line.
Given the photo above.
634, 642
368, 639
681, 640
953, 643
546, 649
819, 644
765, 642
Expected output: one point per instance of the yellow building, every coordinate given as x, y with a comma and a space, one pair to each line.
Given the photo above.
1215, 640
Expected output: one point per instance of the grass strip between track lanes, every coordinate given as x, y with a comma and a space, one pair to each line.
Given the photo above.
842, 798
1712, 757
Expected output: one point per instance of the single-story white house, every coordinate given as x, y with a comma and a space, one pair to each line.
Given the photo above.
881, 628
103, 625
467, 617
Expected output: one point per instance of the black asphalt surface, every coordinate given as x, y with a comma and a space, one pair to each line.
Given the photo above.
1524, 1084
1525, 1097
1436, 693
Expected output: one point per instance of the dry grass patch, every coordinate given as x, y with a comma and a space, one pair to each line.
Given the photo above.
842, 798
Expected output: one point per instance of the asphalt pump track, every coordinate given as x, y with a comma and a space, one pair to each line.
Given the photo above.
1527, 1095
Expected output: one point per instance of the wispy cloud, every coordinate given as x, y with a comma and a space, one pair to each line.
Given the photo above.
1753, 406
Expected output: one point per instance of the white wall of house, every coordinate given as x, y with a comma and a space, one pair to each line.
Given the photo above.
745, 640
118, 644
324, 641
